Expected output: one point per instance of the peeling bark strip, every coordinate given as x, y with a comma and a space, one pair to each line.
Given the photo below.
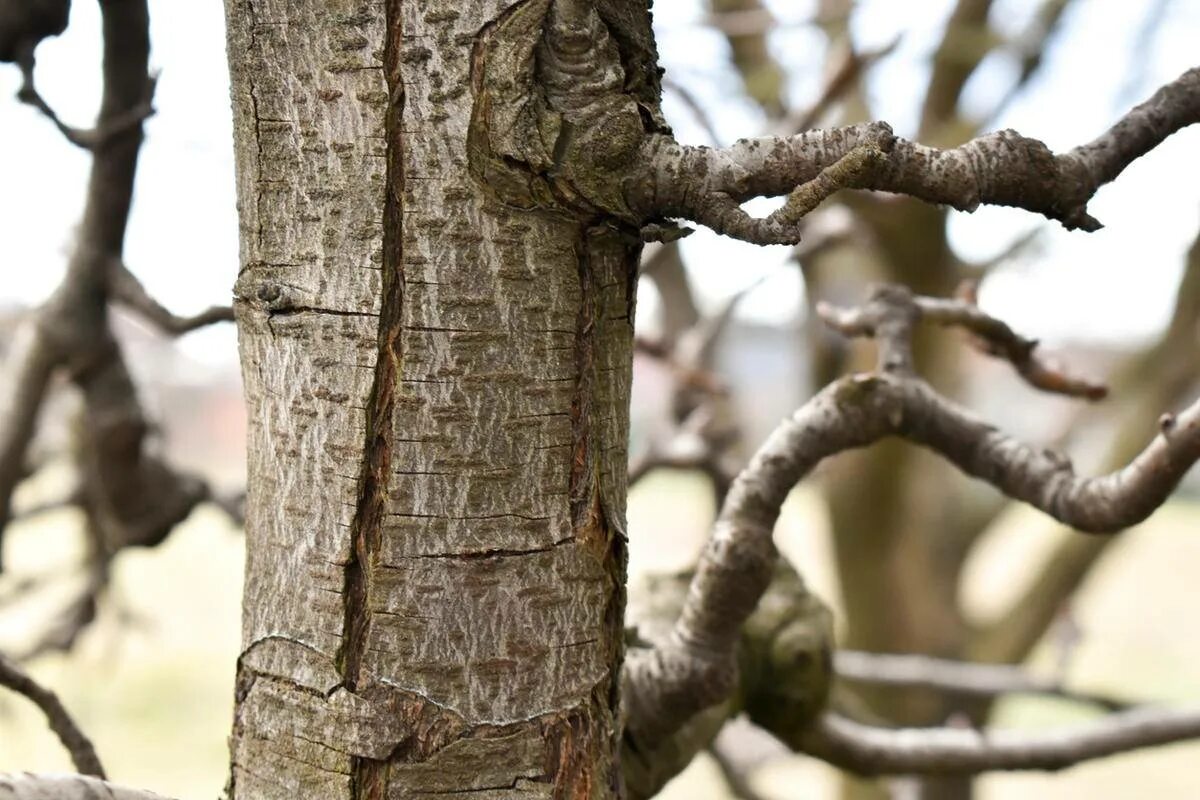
438, 389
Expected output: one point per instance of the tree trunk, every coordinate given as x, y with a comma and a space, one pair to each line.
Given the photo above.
437, 385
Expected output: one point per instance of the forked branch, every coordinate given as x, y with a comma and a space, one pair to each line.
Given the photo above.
125, 288
695, 667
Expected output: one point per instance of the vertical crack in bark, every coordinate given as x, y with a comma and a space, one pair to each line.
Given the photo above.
574, 751
369, 776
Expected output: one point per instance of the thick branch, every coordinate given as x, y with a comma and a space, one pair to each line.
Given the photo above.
76, 742
1003, 168
1158, 378
869, 750
26, 374
964, 45
695, 667
25, 786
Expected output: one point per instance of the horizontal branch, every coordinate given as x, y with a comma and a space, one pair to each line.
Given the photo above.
993, 336
26, 786
870, 750
956, 677
1003, 168
76, 742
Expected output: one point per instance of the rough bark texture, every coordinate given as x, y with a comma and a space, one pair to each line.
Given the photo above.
437, 385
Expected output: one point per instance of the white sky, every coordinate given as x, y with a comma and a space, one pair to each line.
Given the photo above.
1117, 283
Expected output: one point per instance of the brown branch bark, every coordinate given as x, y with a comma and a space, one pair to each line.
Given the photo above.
994, 336
27, 372
76, 742
966, 42
126, 289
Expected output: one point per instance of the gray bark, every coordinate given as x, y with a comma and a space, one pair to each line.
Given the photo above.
437, 386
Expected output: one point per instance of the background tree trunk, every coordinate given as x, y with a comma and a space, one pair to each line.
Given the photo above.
438, 397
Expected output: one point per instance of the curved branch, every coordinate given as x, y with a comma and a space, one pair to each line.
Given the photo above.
870, 750
125, 288
695, 667
76, 742
993, 336
1003, 168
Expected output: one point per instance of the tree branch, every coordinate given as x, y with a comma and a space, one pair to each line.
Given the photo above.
1030, 45
846, 73
125, 288
965, 43
25, 786
86, 139
76, 742
956, 677
695, 668
27, 372
994, 337
1003, 168
870, 750
1155, 379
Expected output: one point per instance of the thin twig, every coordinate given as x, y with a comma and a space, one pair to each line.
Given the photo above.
991, 335
125, 288
845, 75
957, 677
693, 105
870, 750
83, 754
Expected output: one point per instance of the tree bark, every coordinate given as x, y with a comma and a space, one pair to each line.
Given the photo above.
437, 383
